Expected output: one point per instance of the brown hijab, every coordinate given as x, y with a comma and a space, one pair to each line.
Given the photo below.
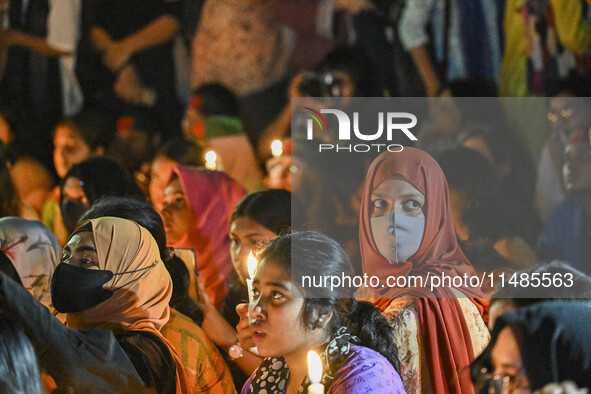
446, 337
142, 303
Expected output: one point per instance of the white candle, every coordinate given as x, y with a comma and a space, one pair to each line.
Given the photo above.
315, 373
210, 160
276, 148
252, 266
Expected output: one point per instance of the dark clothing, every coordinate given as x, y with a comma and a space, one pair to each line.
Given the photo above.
91, 360
237, 294
564, 238
155, 66
31, 85
553, 340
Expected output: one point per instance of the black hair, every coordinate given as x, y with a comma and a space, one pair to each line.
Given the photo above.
574, 84
471, 87
140, 212
181, 281
102, 176
270, 208
19, 369
8, 269
185, 153
471, 174
317, 255
143, 214
217, 100
489, 213
93, 126
526, 296
355, 61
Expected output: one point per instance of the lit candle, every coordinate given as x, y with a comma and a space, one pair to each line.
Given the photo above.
252, 267
251, 263
315, 373
276, 148
210, 160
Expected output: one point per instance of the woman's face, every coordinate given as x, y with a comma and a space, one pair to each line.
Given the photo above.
508, 365
276, 315
397, 218
176, 213
246, 235
69, 148
74, 202
159, 173
80, 251
73, 190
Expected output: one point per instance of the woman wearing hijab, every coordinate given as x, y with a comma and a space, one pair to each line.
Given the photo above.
115, 290
198, 204
535, 346
34, 252
406, 229
89, 180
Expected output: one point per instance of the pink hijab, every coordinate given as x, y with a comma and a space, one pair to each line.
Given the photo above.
212, 196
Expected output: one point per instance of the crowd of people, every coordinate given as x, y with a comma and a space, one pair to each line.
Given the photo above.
161, 209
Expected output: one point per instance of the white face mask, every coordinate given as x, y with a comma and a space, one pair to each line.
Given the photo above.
397, 237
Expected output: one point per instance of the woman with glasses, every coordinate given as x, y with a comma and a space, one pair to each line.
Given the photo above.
536, 346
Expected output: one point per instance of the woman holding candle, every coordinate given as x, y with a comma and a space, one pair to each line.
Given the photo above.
258, 218
288, 318
406, 229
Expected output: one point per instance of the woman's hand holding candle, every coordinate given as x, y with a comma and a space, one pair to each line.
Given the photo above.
244, 334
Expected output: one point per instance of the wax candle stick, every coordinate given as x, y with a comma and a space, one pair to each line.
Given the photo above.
315, 373
252, 266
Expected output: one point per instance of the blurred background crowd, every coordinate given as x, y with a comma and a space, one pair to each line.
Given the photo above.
101, 100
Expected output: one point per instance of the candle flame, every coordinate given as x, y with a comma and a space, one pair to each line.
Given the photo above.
252, 265
314, 367
276, 148
210, 159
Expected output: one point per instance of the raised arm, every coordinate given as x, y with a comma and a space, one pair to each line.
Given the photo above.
74, 359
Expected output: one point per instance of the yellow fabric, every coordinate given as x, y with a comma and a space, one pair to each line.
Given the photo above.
204, 366
574, 32
573, 29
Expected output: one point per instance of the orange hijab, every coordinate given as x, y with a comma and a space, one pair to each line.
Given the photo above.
212, 196
448, 346
142, 303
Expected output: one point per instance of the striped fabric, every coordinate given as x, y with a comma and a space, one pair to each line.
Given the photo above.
204, 366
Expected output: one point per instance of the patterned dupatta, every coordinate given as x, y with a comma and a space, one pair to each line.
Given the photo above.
273, 374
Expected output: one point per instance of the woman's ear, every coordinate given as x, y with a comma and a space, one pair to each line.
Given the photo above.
320, 318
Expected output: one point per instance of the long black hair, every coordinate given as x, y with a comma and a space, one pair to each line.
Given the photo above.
271, 209
19, 369
312, 254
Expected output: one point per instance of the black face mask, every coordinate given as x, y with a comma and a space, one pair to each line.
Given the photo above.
72, 210
75, 289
